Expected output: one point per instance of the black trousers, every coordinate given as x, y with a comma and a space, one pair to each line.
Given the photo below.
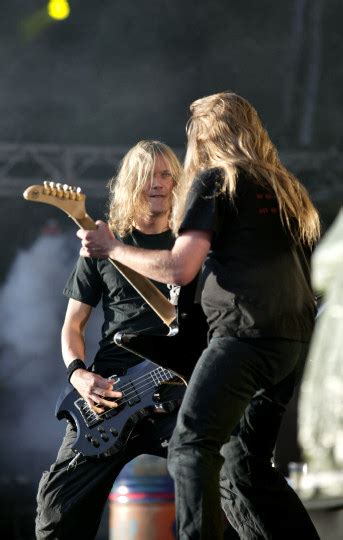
70, 502
223, 443
255, 497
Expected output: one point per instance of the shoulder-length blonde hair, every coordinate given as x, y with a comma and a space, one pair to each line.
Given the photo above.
137, 166
225, 131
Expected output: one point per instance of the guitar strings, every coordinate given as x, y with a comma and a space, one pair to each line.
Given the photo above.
120, 403
157, 372
135, 386
140, 386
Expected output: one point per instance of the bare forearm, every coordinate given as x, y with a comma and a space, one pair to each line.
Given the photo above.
72, 335
73, 345
161, 265
178, 266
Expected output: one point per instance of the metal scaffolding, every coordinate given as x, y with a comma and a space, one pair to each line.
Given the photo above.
86, 166
92, 166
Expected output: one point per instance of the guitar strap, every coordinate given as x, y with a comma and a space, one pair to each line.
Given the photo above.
147, 290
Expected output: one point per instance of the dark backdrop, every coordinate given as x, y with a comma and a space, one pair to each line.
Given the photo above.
117, 71
113, 73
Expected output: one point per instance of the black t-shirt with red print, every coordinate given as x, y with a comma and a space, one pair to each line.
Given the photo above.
255, 281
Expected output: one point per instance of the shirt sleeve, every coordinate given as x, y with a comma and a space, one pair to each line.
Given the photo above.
201, 205
84, 283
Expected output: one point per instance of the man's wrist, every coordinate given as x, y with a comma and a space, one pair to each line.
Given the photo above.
73, 366
113, 250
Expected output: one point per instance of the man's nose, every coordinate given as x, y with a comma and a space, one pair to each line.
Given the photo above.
156, 181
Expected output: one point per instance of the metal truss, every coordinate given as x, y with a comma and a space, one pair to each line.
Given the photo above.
86, 166
90, 167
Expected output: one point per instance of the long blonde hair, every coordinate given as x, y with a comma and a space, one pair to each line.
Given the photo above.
125, 201
225, 131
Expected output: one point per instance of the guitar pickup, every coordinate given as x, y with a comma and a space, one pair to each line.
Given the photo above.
131, 395
110, 412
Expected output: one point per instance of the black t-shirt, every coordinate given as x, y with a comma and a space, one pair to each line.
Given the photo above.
255, 281
95, 280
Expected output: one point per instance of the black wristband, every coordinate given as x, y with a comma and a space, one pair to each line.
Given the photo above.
74, 365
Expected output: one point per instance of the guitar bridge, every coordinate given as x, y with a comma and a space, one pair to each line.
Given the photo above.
89, 416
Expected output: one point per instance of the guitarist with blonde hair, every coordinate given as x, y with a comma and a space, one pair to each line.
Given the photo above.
73, 493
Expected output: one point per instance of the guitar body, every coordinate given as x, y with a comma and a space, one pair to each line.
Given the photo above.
147, 389
150, 387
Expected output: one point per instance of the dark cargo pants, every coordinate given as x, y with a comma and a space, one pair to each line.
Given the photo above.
70, 501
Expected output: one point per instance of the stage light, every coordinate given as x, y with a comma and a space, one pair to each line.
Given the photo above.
58, 9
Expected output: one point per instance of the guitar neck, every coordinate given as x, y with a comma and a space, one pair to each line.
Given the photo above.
151, 294
161, 375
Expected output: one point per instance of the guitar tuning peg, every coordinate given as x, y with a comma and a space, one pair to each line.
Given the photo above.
59, 190
52, 189
66, 192
46, 187
78, 193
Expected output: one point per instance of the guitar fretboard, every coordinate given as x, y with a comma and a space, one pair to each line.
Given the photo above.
161, 375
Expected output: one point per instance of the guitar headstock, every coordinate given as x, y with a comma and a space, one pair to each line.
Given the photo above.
67, 198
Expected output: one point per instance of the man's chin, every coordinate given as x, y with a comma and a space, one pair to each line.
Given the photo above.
156, 213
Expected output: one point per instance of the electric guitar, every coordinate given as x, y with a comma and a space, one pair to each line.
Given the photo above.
147, 389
